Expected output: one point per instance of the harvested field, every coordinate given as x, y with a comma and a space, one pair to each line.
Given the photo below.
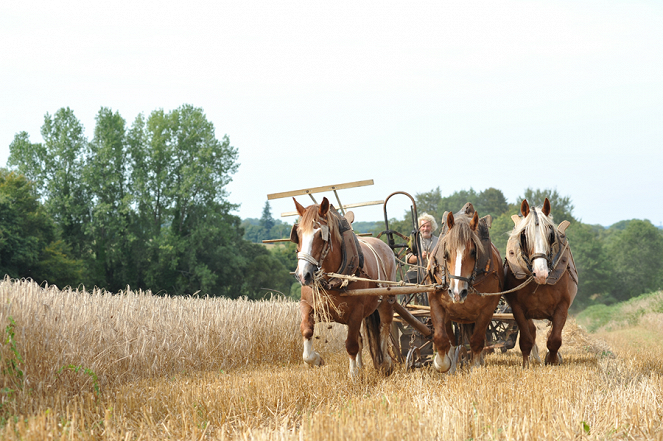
136, 366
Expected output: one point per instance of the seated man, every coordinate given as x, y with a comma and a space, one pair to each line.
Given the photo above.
427, 241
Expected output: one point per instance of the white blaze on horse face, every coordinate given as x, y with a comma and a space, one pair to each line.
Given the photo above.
540, 265
458, 285
307, 248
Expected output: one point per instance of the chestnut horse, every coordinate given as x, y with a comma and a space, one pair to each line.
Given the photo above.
468, 265
538, 249
323, 248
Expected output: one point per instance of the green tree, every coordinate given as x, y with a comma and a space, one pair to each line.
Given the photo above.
267, 221
56, 167
636, 255
180, 170
492, 202
594, 269
111, 221
29, 246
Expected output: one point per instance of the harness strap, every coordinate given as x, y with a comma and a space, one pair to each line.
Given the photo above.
378, 260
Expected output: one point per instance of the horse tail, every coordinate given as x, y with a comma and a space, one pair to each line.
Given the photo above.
372, 327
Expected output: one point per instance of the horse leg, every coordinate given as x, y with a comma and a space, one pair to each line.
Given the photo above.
527, 328
555, 338
442, 361
478, 340
358, 359
534, 355
310, 356
386, 311
352, 343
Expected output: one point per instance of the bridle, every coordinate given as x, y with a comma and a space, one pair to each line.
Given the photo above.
324, 232
469, 280
529, 260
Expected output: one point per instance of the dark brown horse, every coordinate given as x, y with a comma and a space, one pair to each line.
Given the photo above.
326, 244
538, 249
467, 264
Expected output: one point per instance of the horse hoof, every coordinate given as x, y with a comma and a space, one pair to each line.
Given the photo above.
387, 368
559, 359
314, 361
442, 364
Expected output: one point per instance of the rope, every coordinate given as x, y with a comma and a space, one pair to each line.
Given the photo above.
525, 283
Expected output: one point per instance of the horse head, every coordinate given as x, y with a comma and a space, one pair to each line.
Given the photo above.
316, 235
461, 246
537, 235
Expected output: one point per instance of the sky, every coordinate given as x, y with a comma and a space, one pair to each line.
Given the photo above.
565, 95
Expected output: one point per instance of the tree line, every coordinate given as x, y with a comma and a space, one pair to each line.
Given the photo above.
142, 205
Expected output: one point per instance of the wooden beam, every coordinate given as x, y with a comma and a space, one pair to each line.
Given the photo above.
345, 207
412, 320
288, 240
319, 189
388, 291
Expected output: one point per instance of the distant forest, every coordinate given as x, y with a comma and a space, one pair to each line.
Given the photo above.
143, 205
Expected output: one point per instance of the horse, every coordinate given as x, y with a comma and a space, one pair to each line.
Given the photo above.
538, 250
467, 265
326, 244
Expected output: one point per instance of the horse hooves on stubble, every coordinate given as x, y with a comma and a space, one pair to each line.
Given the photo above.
560, 360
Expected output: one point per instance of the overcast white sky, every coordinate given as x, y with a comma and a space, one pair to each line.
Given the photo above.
415, 95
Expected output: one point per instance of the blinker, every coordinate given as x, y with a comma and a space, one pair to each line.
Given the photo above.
294, 237
324, 231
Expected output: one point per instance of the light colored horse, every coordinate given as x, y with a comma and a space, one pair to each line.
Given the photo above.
538, 249
323, 249
466, 263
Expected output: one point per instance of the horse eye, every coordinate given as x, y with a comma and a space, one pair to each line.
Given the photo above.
474, 253
446, 255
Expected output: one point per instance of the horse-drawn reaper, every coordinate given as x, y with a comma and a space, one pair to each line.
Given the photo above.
353, 281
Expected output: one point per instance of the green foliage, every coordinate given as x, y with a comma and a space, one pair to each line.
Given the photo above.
255, 231
57, 169
143, 206
11, 365
594, 267
264, 273
286, 253
636, 254
29, 246
501, 229
86, 371
368, 227
488, 202
627, 313
267, 221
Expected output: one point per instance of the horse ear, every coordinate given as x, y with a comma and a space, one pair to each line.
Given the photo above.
524, 208
546, 207
300, 208
475, 221
324, 207
450, 220
516, 219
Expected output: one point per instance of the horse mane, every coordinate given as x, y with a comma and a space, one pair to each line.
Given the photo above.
310, 217
528, 225
460, 234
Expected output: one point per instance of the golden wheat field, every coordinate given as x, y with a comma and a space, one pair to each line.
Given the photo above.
130, 366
